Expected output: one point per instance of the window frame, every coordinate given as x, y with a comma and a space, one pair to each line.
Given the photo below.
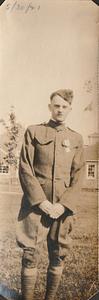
3, 170
90, 164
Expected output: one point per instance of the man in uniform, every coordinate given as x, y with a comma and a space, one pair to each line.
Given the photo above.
50, 170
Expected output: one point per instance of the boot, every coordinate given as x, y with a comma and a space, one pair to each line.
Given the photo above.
28, 280
53, 279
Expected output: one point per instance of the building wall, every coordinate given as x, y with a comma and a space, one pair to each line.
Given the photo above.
91, 175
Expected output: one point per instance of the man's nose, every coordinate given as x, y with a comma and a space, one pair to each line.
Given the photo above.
60, 109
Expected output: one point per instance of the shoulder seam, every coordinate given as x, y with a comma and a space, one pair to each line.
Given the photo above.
79, 134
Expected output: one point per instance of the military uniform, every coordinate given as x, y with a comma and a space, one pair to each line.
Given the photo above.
51, 167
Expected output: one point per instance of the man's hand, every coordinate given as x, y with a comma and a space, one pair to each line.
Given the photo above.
57, 211
46, 206
53, 210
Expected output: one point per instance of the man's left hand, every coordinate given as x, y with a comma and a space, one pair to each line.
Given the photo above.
57, 211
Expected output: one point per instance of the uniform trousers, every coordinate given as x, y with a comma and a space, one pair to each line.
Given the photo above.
36, 228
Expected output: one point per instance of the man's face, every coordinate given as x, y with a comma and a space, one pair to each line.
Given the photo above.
59, 108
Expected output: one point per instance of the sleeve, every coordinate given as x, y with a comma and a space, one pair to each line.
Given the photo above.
29, 182
70, 198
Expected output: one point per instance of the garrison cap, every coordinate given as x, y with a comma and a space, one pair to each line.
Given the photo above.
66, 94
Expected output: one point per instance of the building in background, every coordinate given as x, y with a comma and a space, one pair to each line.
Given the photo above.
93, 138
92, 162
91, 168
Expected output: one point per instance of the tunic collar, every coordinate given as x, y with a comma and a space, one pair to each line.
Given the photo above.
56, 125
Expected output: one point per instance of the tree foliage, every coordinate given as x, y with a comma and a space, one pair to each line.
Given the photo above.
14, 132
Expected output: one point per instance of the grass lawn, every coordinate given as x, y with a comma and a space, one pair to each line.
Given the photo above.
80, 276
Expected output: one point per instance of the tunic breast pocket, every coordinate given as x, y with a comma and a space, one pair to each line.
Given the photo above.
44, 148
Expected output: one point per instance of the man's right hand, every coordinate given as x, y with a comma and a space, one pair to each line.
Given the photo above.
46, 206
57, 211
54, 211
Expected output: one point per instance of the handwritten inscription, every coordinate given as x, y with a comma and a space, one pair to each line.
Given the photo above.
20, 7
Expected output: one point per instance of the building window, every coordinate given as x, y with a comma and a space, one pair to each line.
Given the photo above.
4, 169
91, 171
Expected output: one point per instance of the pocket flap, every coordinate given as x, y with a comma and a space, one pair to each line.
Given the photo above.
44, 137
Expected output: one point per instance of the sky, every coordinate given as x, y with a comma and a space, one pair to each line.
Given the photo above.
45, 46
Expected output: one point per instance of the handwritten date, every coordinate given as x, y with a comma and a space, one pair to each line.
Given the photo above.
20, 7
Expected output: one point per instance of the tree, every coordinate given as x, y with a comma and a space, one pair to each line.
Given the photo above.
14, 133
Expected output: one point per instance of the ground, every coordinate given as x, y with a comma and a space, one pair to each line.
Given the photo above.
80, 276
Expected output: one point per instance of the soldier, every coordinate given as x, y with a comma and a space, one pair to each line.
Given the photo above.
50, 170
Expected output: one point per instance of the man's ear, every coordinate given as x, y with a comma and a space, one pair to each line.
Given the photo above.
49, 106
70, 108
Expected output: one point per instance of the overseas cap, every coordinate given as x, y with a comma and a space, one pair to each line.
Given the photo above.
66, 94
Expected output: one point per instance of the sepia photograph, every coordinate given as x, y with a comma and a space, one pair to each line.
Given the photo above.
49, 143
